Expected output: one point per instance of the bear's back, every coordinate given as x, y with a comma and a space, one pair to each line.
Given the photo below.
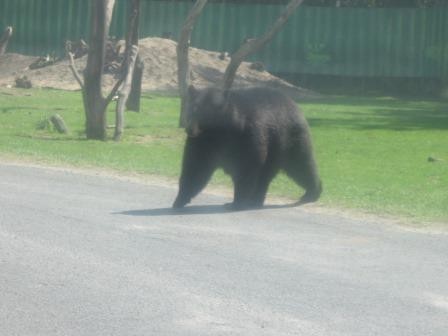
266, 105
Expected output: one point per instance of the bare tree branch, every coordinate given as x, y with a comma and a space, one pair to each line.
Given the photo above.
128, 67
72, 65
183, 69
114, 90
124, 91
110, 5
253, 45
133, 22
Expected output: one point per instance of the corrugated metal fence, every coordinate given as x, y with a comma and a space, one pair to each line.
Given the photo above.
400, 42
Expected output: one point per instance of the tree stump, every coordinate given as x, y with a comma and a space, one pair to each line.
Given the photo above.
59, 123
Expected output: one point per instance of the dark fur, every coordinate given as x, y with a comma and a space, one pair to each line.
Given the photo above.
251, 134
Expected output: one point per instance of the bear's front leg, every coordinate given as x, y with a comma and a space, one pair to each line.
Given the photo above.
197, 168
248, 178
245, 185
192, 181
182, 199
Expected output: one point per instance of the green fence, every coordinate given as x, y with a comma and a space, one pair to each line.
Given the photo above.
399, 42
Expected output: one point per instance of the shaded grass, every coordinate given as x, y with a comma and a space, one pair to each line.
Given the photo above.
372, 152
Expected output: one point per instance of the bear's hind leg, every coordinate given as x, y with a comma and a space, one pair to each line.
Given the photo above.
301, 167
262, 186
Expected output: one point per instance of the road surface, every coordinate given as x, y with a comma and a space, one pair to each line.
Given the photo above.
82, 254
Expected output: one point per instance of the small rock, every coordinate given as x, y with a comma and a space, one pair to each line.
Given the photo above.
58, 123
257, 66
223, 55
23, 82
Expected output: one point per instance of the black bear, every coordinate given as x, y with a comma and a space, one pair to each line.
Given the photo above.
251, 134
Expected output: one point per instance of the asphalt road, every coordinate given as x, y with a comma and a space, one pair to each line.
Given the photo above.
90, 255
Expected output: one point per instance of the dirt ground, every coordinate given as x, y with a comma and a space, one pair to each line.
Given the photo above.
160, 74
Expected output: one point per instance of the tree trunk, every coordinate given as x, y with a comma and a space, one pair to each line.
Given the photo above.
94, 103
133, 99
183, 69
4, 39
95, 109
133, 103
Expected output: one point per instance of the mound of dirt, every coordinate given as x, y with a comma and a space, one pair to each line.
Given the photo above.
160, 74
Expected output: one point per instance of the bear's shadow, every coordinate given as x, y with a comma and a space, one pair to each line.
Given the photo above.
198, 210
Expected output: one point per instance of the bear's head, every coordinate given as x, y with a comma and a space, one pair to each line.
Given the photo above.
209, 111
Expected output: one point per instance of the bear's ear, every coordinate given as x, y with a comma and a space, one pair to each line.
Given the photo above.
192, 91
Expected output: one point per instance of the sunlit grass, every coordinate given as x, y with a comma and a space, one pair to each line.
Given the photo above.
372, 152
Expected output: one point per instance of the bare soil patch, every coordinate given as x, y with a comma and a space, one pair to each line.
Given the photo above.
160, 75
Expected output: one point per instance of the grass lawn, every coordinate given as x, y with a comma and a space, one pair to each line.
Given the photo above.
372, 152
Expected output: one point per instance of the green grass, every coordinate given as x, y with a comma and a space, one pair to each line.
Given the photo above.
372, 152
